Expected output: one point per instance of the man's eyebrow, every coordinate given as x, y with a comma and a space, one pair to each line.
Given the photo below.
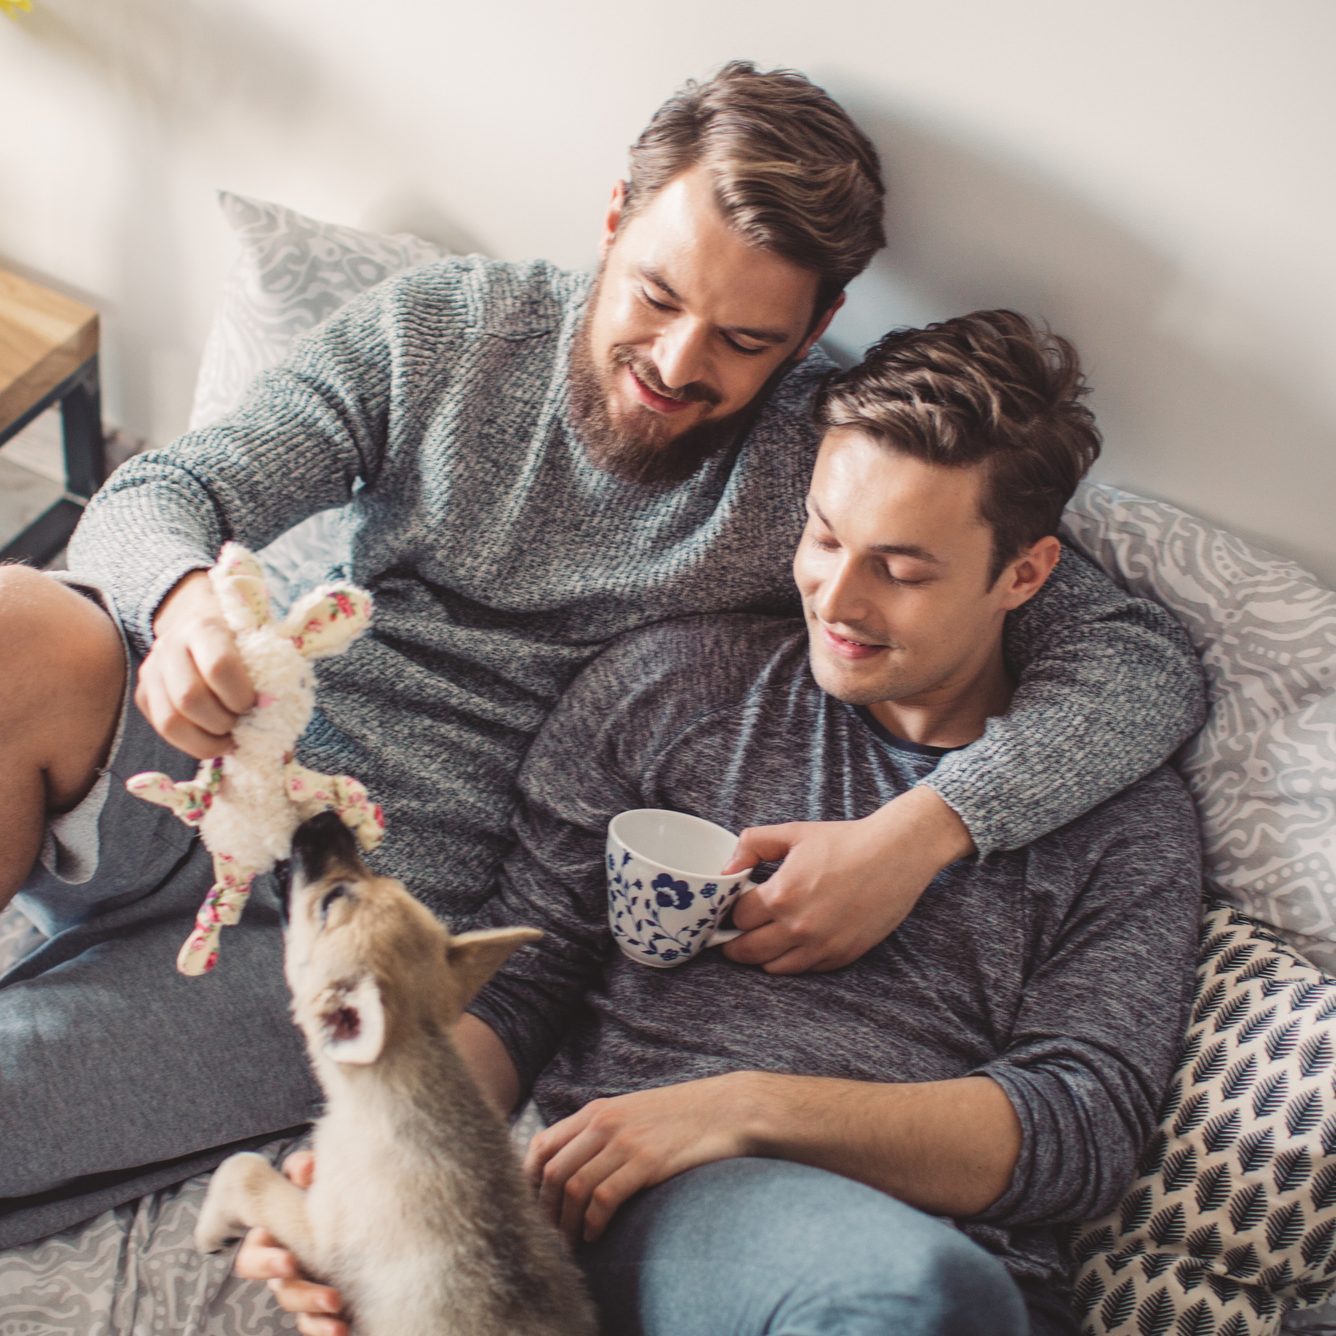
652, 275
911, 551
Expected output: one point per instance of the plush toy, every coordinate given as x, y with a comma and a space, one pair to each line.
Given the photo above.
248, 803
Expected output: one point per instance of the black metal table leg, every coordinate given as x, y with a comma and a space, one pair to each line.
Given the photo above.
81, 426
41, 540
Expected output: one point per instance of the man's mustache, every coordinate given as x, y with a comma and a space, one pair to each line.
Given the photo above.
648, 375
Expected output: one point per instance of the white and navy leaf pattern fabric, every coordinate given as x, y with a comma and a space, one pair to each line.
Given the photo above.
1263, 770
1232, 1217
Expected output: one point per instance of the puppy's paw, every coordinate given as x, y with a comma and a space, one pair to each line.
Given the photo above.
223, 1219
215, 1231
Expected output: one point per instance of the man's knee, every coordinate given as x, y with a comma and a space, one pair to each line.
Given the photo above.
786, 1248
933, 1283
62, 663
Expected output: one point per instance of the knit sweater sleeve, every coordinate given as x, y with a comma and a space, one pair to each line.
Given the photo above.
1109, 688
307, 432
1101, 1017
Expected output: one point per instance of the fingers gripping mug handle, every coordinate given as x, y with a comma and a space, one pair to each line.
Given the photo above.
721, 935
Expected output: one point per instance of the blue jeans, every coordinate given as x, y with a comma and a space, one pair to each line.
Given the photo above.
745, 1247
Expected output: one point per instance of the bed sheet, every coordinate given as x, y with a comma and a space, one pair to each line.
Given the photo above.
134, 1271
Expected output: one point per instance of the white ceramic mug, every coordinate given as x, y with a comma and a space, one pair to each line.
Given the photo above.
666, 897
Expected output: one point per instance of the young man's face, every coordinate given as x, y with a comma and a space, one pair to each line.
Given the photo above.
893, 569
687, 325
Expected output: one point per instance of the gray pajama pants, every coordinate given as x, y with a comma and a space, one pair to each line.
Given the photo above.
117, 1074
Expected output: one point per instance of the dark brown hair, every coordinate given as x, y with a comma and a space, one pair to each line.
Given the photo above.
792, 173
985, 389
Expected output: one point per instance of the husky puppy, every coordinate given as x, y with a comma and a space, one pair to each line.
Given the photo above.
419, 1212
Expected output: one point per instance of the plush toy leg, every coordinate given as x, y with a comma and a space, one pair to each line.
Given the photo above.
221, 908
233, 881
313, 793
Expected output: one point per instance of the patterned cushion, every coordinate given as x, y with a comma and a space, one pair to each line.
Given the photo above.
1263, 770
292, 272
1232, 1216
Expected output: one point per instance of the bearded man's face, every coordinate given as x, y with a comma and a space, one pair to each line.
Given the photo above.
687, 327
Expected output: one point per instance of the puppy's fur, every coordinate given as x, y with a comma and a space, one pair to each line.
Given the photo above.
419, 1213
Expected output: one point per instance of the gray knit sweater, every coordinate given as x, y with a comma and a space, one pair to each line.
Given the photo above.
1063, 971
501, 560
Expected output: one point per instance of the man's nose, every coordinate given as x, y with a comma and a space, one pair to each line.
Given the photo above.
680, 354
840, 597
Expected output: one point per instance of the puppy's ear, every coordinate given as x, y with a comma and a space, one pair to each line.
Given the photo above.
352, 1020
473, 957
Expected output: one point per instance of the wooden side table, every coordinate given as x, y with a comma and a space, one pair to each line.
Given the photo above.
48, 355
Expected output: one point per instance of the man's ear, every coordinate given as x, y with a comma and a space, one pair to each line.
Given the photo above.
613, 218
818, 329
1024, 575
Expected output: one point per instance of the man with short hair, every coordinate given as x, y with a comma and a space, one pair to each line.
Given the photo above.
531, 466
743, 1152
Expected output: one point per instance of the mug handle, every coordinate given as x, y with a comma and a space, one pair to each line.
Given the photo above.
721, 935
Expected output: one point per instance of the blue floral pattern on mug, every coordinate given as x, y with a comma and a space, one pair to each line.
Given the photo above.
670, 894
663, 922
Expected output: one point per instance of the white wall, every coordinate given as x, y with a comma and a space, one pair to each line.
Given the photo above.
1154, 177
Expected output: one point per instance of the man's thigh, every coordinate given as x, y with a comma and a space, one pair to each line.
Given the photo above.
745, 1247
111, 848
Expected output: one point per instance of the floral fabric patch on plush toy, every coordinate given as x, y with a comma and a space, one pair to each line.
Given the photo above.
248, 803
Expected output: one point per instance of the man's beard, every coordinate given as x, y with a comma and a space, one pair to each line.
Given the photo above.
648, 452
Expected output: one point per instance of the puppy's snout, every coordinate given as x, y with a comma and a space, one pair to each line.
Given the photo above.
283, 885
321, 845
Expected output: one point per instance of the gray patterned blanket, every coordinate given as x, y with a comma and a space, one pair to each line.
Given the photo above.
134, 1271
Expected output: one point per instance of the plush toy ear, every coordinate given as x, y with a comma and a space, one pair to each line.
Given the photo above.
238, 580
353, 1023
326, 619
474, 957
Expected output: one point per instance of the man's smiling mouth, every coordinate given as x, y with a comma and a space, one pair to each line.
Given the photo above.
652, 399
847, 647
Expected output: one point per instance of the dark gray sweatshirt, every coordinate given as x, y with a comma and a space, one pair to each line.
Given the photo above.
1063, 971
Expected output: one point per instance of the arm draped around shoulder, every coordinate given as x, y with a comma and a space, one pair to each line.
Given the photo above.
1109, 689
